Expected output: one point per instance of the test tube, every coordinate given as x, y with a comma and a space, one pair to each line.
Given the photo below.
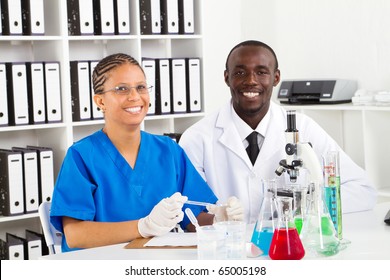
332, 190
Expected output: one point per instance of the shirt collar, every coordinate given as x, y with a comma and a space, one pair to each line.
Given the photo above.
244, 129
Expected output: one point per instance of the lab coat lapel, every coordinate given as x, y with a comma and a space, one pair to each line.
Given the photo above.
229, 136
274, 139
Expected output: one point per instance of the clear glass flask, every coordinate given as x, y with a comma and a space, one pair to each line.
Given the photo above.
267, 220
318, 233
299, 205
286, 244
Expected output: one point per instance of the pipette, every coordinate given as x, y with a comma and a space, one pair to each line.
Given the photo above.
191, 202
192, 217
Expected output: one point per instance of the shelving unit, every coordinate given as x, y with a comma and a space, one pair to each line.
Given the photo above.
364, 134
57, 45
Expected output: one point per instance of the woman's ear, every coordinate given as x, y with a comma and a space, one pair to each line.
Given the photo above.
99, 101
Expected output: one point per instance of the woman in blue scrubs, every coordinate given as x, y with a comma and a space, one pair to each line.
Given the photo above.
121, 183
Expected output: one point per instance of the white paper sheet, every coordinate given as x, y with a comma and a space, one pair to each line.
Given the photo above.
173, 239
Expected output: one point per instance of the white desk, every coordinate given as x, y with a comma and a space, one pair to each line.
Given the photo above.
369, 236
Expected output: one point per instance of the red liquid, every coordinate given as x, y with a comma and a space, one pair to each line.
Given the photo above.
286, 245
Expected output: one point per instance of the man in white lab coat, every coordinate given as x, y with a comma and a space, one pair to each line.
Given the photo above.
217, 144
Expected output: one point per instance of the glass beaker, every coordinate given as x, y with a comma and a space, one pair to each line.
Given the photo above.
267, 219
286, 244
299, 205
318, 233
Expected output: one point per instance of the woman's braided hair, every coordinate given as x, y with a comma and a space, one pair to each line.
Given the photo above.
100, 73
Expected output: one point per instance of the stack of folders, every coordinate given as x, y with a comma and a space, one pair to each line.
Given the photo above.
30, 247
26, 179
98, 17
176, 85
22, 17
30, 93
167, 16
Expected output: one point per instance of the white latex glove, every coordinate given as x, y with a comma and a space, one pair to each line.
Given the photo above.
231, 211
234, 209
219, 212
163, 217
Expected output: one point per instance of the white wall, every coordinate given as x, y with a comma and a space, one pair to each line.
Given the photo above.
325, 38
221, 31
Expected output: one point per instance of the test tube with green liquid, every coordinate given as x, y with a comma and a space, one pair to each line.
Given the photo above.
332, 190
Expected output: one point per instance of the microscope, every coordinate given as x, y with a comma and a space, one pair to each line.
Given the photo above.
317, 233
299, 155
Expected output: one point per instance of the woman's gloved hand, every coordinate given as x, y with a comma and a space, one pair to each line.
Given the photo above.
163, 217
231, 211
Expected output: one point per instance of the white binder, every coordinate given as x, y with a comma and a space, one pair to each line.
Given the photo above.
34, 245
86, 17
30, 179
150, 20
122, 16
149, 66
178, 85
194, 102
164, 86
95, 110
104, 17
186, 17
80, 88
33, 17
11, 187
12, 17
53, 91
80, 17
3, 96
169, 16
15, 247
45, 172
36, 92
17, 93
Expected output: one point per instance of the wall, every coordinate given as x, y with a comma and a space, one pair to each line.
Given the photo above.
222, 29
325, 39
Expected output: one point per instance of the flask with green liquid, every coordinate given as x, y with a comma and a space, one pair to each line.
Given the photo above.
318, 233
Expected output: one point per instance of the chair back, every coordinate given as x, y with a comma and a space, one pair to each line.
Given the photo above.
53, 237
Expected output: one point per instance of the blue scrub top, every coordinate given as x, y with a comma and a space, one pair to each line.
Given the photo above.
96, 183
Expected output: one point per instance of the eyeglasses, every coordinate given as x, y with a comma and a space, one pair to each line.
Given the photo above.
125, 89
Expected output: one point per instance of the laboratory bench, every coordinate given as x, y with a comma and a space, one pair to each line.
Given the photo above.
366, 230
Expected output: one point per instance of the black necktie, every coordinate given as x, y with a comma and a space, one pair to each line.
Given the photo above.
253, 148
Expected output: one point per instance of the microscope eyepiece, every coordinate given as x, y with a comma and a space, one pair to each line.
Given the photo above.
291, 121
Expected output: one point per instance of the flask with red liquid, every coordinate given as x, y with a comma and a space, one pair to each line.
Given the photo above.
286, 244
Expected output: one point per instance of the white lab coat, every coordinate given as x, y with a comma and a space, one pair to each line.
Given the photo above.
216, 150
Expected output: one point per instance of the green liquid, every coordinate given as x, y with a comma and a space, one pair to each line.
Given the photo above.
327, 226
298, 224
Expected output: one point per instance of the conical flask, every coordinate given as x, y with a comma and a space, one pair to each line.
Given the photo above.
286, 244
267, 220
299, 205
318, 233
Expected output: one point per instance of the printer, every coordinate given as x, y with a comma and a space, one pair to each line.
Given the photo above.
302, 92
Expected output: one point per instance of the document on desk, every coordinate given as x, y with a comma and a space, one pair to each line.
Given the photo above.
175, 239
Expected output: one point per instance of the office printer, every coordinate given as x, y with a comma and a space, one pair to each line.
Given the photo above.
316, 91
